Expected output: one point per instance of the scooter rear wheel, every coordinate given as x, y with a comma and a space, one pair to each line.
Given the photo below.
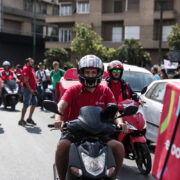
143, 161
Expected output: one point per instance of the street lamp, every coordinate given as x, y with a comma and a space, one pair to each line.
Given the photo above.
34, 31
161, 4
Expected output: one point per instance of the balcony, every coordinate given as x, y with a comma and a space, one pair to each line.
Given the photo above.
21, 12
113, 16
65, 45
60, 19
166, 15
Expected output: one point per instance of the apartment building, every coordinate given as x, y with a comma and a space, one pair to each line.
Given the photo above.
17, 19
114, 21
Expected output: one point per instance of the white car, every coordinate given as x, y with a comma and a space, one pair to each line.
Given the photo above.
152, 109
137, 77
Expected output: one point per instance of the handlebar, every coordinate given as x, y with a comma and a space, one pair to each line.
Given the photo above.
50, 125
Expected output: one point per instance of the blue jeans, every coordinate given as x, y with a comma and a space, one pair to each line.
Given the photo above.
28, 98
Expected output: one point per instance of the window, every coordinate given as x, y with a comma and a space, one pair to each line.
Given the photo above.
118, 6
42, 8
65, 35
65, 9
55, 11
137, 80
165, 32
41, 30
158, 93
82, 7
132, 4
168, 5
132, 32
117, 34
28, 5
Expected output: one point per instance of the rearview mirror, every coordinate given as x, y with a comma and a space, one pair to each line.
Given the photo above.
51, 106
128, 111
144, 90
109, 112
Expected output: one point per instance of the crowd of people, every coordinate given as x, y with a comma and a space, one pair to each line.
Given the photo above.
32, 84
90, 72
161, 74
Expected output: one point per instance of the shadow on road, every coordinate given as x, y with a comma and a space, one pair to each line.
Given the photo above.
132, 172
9, 110
33, 129
1, 130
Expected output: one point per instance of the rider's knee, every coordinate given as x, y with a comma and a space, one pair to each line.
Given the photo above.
63, 146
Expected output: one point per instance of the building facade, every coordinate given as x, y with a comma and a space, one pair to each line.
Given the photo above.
114, 21
23, 29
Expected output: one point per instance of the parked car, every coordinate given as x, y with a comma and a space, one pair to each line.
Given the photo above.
137, 77
152, 109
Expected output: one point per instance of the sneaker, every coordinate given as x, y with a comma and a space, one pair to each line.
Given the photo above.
22, 122
30, 121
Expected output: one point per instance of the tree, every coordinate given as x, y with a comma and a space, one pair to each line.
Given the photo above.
86, 42
56, 54
133, 51
174, 38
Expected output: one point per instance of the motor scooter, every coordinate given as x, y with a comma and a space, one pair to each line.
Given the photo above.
10, 94
90, 158
134, 141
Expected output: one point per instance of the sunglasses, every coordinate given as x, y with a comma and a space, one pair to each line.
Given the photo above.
116, 71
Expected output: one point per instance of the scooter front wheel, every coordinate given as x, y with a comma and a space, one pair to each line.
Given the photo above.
143, 160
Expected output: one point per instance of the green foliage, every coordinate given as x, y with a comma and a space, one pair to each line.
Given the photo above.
89, 42
174, 38
68, 64
55, 54
86, 42
133, 51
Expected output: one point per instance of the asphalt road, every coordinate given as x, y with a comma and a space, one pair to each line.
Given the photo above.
27, 153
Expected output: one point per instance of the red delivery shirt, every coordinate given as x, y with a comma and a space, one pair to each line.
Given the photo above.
116, 89
29, 72
77, 96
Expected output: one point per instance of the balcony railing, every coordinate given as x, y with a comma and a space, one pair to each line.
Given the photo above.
22, 12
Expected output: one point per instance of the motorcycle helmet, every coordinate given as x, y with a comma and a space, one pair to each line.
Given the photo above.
6, 63
115, 65
90, 61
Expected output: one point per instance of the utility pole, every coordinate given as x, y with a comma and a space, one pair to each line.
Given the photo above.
161, 4
34, 31
1, 15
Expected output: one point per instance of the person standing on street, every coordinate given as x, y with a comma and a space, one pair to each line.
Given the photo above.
42, 77
177, 76
29, 91
56, 74
154, 71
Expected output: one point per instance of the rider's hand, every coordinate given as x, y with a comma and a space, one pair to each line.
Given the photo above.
123, 126
141, 102
57, 124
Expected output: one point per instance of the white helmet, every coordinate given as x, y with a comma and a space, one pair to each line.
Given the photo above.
6, 63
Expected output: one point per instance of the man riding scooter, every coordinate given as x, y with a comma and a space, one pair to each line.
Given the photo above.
119, 87
9, 81
89, 92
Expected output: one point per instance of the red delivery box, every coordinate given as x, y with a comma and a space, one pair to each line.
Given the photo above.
166, 164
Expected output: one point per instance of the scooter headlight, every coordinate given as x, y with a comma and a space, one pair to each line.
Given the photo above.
93, 166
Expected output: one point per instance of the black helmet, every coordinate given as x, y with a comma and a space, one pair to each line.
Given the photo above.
90, 61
